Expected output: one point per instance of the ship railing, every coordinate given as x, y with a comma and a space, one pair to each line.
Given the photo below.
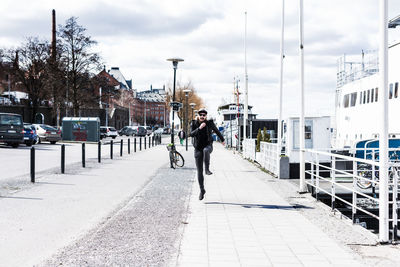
348, 181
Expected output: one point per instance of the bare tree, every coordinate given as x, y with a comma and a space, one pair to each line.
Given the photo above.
81, 62
29, 68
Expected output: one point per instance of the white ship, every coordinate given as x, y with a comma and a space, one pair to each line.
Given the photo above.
357, 94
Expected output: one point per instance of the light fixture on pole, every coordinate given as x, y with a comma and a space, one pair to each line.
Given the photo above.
175, 62
186, 91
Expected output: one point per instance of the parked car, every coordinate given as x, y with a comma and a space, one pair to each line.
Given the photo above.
149, 130
30, 135
128, 131
11, 129
159, 131
140, 131
47, 133
106, 131
165, 131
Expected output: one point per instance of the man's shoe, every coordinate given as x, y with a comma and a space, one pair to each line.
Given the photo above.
201, 196
208, 172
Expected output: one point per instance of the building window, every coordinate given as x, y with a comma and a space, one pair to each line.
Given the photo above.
364, 97
353, 99
346, 101
396, 90
308, 136
360, 98
391, 91
376, 94
368, 96
372, 95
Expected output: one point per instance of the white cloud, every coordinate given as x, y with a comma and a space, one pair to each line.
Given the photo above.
138, 36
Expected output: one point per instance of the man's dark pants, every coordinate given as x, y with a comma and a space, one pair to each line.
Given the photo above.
200, 157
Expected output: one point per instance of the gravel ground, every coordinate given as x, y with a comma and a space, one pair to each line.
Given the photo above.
145, 232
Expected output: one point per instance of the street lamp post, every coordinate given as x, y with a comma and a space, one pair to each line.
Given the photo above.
175, 66
186, 91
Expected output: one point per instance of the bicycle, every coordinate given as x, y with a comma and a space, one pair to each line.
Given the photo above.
175, 158
365, 171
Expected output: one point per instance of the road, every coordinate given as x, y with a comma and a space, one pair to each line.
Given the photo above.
15, 162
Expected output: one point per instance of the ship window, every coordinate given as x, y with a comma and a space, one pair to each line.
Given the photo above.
346, 101
376, 94
396, 91
372, 95
364, 97
368, 96
353, 99
391, 91
360, 97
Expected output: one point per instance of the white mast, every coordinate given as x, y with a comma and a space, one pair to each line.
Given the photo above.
303, 187
279, 137
383, 135
245, 117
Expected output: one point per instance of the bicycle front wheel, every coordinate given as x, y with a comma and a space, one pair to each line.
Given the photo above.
178, 159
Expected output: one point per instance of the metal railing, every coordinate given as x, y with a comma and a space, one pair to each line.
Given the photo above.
358, 176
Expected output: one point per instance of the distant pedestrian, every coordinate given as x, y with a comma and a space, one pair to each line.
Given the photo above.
181, 135
203, 145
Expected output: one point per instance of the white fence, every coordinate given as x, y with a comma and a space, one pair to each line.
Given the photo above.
267, 157
249, 149
360, 178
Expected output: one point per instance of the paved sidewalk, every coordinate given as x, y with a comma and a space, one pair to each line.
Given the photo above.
243, 222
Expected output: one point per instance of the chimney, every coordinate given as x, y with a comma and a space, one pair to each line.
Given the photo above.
53, 39
151, 88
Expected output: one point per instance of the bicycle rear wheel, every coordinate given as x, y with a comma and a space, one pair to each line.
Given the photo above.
365, 172
178, 159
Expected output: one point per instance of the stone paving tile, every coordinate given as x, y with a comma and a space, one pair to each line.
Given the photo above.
243, 222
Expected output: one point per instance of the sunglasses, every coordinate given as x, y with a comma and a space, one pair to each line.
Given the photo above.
203, 115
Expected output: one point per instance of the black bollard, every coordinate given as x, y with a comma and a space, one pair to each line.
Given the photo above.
32, 165
83, 155
129, 146
134, 145
111, 149
152, 141
121, 147
145, 142
62, 158
149, 141
140, 143
99, 151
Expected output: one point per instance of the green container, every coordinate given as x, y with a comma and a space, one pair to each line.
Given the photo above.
81, 129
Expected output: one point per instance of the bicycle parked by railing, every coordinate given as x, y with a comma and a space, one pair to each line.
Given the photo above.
365, 171
175, 158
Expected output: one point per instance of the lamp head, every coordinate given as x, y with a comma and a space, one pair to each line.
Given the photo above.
192, 105
175, 61
187, 91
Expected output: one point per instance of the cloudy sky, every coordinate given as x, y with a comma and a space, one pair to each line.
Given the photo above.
138, 36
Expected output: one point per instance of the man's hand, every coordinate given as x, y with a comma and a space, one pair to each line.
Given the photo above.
223, 143
202, 125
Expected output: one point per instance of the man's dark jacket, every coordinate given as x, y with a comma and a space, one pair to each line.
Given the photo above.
210, 127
